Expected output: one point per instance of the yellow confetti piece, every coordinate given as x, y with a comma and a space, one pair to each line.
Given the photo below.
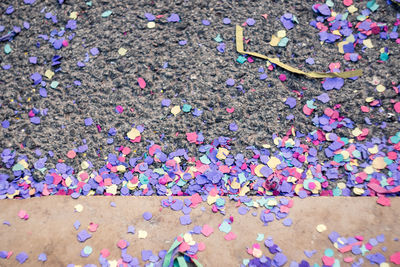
272, 202
73, 15
257, 253
369, 99
112, 189
151, 24
121, 168
340, 46
49, 74
68, 181
212, 199
384, 264
274, 41
291, 179
321, 228
240, 49
175, 110
369, 170
189, 239
122, 51
257, 170
380, 88
345, 154
368, 43
222, 153
78, 208
356, 132
352, 9
358, 191
281, 33
133, 133
142, 234
373, 150
84, 165
244, 190
235, 184
341, 185
273, 162
379, 163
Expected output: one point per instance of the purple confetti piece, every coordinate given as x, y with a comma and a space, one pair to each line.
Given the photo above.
21, 257
230, 82
291, 102
83, 236
42, 257
147, 216
173, 18
185, 220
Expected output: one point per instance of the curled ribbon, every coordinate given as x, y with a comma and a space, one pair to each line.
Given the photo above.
239, 48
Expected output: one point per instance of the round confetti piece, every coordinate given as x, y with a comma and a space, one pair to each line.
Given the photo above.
122, 51
282, 77
105, 253
71, 154
250, 21
230, 82
226, 21
151, 24
87, 250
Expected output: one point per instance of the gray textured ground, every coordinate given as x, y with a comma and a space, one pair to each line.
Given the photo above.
196, 75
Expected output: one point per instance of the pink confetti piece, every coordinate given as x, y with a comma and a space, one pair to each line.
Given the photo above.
23, 215
207, 230
230, 110
384, 201
142, 82
395, 258
230, 236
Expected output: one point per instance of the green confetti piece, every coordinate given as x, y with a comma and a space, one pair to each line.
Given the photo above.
143, 179
241, 59
337, 192
372, 5
283, 42
225, 227
18, 167
260, 237
89, 3
329, 3
54, 84
338, 158
7, 49
186, 108
218, 39
310, 104
220, 202
106, 13
361, 17
88, 250
205, 160
384, 56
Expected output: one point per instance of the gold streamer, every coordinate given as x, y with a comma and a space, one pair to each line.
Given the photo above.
239, 48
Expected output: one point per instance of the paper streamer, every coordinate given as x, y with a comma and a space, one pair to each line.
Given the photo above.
239, 48
179, 261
